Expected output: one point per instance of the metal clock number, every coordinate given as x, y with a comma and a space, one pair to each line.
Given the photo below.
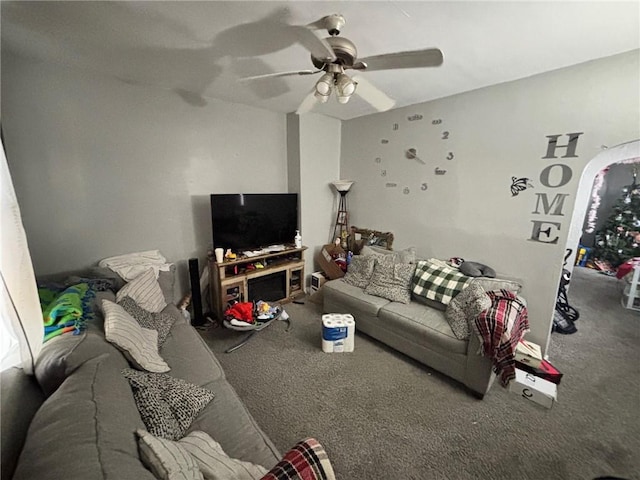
411, 154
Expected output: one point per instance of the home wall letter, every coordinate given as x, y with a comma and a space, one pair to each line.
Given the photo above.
541, 231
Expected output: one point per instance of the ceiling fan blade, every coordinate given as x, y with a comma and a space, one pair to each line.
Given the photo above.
372, 94
430, 57
318, 47
308, 103
279, 74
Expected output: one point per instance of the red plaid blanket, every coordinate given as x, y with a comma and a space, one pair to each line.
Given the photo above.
500, 328
307, 460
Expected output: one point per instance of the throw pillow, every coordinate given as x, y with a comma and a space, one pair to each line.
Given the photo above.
438, 283
140, 345
160, 322
145, 291
214, 463
307, 460
167, 405
359, 271
391, 280
464, 308
408, 255
167, 460
475, 269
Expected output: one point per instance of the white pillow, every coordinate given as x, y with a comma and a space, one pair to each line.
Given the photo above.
214, 463
167, 460
140, 345
145, 291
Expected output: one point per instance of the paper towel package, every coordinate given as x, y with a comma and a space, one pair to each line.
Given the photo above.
338, 333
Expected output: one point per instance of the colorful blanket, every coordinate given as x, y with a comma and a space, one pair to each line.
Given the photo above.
307, 460
500, 328
65, 309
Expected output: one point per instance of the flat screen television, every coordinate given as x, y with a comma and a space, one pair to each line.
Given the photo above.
251, 221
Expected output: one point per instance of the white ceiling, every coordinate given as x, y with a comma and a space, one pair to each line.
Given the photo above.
199, 49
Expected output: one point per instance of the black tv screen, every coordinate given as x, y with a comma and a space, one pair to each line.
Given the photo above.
251, 221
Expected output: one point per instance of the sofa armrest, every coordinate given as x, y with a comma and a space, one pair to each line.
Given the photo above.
479, 374
21, 397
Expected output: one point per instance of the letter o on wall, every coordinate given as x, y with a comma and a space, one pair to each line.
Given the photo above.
567, 173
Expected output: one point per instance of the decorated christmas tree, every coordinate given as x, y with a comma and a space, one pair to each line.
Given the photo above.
619, 239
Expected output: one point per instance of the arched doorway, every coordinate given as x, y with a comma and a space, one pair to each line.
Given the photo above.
620, 153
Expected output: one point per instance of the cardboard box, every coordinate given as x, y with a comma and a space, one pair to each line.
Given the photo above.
534, 389
327, 263
528, 353
545, 370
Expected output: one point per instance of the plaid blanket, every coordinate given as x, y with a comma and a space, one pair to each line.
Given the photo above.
307, 460
500, 328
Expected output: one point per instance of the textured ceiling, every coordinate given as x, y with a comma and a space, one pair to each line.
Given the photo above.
198, 50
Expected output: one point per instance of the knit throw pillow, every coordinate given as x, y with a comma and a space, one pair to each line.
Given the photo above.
359, 271
167, 405
464, 308
160, 322
438, 283
391, 280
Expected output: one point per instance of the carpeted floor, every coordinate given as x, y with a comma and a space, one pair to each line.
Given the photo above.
381, 415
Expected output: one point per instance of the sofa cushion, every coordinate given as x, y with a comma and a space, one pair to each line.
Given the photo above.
230, 423
189, 356
168, 460
85, 429
355, 298
438, 283
160, 322
140, 345
145, 290
167, 405
360, 271
464, 308
422, 324
391, 280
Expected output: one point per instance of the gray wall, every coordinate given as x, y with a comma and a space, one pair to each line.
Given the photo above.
495, 134
102, 167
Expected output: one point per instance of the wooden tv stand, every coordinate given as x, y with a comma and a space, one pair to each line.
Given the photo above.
230, 280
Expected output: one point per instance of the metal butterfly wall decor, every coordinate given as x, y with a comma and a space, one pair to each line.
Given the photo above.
519, 184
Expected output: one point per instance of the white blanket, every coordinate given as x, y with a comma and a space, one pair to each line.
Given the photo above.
130, 265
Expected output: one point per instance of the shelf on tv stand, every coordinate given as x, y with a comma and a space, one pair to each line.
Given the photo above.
230, 279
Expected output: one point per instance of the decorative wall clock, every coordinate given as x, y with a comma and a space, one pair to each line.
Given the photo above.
409, 168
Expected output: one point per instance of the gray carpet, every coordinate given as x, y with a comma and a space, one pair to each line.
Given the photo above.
381, 415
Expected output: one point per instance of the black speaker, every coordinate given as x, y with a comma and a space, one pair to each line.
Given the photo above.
196, 299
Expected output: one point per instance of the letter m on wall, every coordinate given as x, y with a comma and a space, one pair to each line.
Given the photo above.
555, 207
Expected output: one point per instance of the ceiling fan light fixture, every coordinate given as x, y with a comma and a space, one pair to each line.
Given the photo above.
323, 86
322, 98
345, 86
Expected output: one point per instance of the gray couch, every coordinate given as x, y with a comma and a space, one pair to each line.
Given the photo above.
76, 419
416, 329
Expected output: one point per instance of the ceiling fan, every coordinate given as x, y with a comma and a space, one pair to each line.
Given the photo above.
336, 54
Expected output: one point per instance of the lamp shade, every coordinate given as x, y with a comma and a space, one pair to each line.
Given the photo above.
342, 185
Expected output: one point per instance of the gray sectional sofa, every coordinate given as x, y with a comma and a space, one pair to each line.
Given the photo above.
76, 419
418, 329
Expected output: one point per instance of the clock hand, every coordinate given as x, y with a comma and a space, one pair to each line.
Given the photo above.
420, 160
